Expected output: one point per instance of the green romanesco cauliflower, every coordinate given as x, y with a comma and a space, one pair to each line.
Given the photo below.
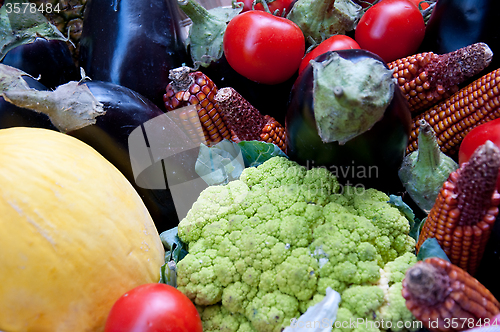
264, 248
379, 306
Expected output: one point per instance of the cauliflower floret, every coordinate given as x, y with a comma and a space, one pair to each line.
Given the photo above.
264, 248
362, 301
268, 312
218, 318
297, 275
394, 310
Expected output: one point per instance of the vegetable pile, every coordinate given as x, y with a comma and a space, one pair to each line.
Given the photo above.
300, 160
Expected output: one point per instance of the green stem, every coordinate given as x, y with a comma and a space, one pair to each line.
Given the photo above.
195, 11
429, 154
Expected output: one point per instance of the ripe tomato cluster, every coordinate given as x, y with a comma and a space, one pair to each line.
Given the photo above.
270, 49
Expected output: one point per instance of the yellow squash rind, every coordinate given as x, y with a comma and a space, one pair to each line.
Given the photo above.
74, 235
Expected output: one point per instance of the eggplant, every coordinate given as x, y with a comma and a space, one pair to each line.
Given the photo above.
133, 43
119, 112
48, 59
13, 116
372, 158
458, 23
34, 45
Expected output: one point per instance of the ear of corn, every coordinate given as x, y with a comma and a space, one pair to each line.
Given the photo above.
465, 209
437, 292
246, 123
454, 117
427, 78
195, 88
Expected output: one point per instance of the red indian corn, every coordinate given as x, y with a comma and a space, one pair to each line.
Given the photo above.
426, 78
455, 117
439, 293
246, 123
195, 88
465, 210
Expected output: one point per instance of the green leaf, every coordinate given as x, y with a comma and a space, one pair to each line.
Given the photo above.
175, 249
224, 162
397, 201
321, 19
206, 34
220, 163
168, 274
431, 248
257, 152
23, 27
416, 227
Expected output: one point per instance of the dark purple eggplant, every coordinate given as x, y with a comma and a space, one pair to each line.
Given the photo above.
13, 116
370, 159
50, 60
32, 44
133, 43
121, 112
458, 23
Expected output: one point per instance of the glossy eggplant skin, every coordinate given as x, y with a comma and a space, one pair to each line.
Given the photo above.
125, 111
13, 116
133, 43
371, 159
268, 99
50, 60
458, 23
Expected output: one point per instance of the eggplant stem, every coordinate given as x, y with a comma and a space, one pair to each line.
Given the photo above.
338, 91
429, 154
195, 11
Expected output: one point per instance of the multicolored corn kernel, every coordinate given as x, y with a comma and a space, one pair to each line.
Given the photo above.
427, 78
465, 210
439, 293
246, 123
195, 88
453, 118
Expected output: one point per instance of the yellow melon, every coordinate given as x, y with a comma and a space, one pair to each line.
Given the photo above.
74, 235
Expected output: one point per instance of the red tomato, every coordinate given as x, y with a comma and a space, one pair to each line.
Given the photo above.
366, 3
334, 43
477, 137
425, 5
392, 29
262, 47
153, 308
274, 5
